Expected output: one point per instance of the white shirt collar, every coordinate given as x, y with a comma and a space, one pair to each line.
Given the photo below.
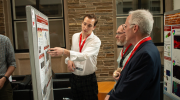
140, 41
91, 36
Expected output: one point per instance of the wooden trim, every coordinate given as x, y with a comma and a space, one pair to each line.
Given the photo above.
66, 24
8, 20
66, 27
169, 5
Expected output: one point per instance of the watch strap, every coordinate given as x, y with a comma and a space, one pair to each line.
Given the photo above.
6, 77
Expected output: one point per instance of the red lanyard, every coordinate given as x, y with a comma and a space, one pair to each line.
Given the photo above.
134, 50
81, 46
125, 50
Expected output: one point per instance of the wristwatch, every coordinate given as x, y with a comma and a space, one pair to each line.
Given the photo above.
6, 77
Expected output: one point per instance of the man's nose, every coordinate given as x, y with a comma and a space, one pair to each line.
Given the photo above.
85, 26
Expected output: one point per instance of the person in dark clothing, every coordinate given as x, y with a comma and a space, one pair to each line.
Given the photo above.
140, 77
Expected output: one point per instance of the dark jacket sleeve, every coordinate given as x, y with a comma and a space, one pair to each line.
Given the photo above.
110, 92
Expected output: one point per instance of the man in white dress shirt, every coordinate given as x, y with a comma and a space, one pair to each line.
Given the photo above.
82, 60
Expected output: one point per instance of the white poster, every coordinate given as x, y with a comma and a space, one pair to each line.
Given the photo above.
176, 60
44, 63
172, 54
167, 58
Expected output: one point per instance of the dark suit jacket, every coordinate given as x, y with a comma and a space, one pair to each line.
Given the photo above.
140, 79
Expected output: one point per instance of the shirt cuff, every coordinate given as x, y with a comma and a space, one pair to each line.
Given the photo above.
66, 60
73, 55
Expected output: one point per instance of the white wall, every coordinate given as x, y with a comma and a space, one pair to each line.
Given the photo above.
176, 4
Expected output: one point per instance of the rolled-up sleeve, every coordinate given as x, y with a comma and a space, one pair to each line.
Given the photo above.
66, 60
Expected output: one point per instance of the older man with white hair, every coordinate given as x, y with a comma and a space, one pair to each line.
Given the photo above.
123, 55
140, 77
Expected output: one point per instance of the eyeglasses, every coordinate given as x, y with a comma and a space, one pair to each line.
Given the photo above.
125, 26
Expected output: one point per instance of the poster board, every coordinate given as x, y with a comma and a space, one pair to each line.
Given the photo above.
39, 43
172, 54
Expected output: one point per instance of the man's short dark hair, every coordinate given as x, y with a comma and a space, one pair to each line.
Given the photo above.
91, 16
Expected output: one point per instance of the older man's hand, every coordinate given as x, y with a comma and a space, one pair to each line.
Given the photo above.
107, 97
116, 77
55, 52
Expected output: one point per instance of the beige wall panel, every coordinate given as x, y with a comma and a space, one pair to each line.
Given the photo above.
23, 64
58, 64
24, 68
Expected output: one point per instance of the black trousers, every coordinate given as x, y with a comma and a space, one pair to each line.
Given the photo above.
6, 93
84, 87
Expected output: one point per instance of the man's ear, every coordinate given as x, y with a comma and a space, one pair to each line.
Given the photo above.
94, 27
135, 28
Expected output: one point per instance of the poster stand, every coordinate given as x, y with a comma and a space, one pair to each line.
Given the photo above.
39, 43
172, 54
